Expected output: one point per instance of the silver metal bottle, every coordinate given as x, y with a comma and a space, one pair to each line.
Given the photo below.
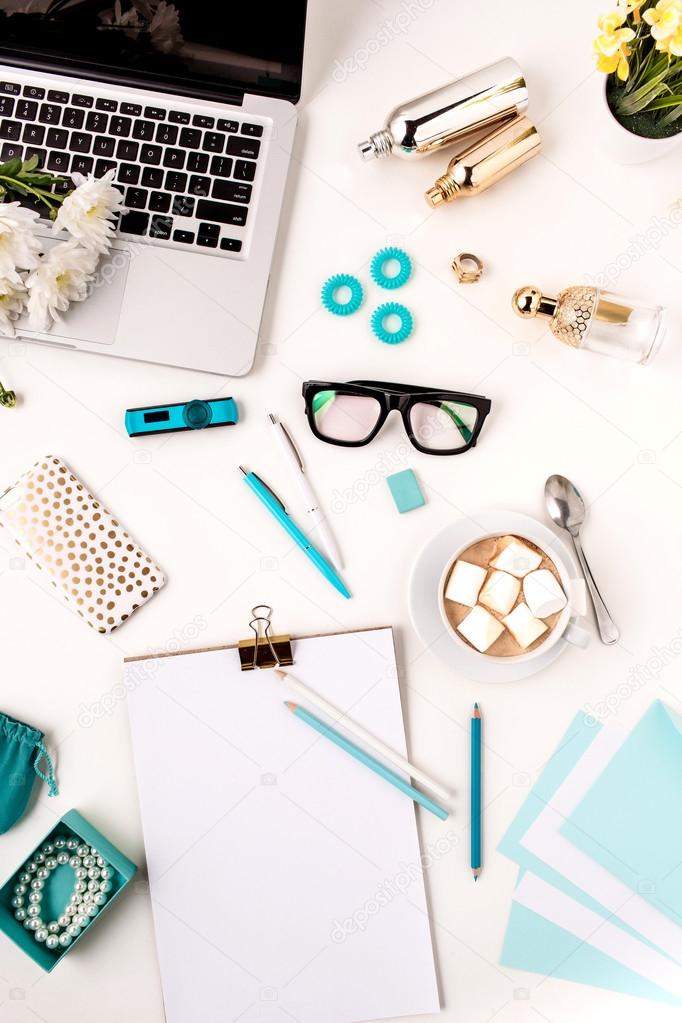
484, 98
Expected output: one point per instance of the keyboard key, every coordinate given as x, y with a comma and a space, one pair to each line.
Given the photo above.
183, 206
55, 96
252, 129
230, 245
159, 202
81, 164
58, 162
199, 185
73, 118
143, 130
26, 110
80, 142
161, 227
150, 154
175, 182
79, 100
128, 173
9, 87
178, 117
231, 191
152, 177
214, 142
134, 222
103, 146
155, 113
221, 166
33, 92
110, 105
197, 162
189, 137
40, 153
167, 134
174, 158
120, 126
136, 198
224, 125
221, 212
244, 171
6, 106
50, 113
238, 146
10, 130
127, 150
131, 109
208, 235
200, 121
34, 133
57, 138
183, 236
96, 121
103, 166
11, 152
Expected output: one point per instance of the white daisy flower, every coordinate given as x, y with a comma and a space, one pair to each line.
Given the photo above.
61, 277
19, 246
12, 302
87, 213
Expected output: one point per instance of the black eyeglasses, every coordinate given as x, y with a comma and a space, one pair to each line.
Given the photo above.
437, 422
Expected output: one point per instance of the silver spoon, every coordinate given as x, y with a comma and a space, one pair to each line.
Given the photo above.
567, 509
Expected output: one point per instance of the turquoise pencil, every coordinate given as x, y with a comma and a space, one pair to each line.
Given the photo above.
365, 758
476, 792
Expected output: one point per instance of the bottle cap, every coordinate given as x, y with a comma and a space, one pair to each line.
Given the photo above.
529, 301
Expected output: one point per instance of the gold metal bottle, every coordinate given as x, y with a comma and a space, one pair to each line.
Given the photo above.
484, 163
599, 321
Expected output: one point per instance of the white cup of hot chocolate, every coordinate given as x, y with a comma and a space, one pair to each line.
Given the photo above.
558, 625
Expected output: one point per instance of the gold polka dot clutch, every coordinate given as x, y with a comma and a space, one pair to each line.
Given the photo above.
100, 570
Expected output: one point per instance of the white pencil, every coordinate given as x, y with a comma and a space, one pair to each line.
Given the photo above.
361, 733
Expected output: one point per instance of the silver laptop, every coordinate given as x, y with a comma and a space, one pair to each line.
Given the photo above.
192, 103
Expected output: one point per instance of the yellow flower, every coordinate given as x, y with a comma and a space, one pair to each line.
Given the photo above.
611, 46
664, 18
672, 45
633, 7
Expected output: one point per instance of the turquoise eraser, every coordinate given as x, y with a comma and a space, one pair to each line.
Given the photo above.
405, 490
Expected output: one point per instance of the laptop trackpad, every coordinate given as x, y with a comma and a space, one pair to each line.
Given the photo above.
96, 318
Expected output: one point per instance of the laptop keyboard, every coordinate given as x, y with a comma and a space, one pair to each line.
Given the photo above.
186, 178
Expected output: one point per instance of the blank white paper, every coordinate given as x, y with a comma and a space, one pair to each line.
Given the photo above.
275, 859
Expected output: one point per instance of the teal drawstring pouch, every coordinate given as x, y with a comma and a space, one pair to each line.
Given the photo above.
21, 752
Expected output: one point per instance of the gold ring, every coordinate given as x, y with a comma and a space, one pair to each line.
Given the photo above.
467, 267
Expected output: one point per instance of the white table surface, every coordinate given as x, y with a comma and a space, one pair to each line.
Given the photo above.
615, 429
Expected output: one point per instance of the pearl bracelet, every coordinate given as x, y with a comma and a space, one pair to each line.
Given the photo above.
93, 882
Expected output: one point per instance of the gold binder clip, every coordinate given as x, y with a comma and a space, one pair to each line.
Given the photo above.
265, 651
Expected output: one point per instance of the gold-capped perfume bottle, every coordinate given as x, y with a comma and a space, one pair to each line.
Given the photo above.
486, 162
599, 321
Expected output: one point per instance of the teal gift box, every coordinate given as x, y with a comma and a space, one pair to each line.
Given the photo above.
58, 889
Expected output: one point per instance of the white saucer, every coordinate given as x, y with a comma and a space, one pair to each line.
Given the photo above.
425, 580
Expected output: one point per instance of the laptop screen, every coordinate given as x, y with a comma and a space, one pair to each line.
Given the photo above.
215, 47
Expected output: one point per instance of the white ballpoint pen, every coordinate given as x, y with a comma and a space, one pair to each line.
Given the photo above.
319, 526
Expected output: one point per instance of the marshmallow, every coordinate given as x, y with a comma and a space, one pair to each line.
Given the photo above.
465, 582
480, 628
500, 592
524, 627
517, 559
543, 594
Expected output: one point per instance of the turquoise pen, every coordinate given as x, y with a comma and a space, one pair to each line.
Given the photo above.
374, 765
276, 508
476, 792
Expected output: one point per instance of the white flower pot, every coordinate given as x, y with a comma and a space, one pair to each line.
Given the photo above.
626, 147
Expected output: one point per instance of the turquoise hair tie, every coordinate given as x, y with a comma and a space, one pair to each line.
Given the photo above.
378, 321
378, 264
331, 287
